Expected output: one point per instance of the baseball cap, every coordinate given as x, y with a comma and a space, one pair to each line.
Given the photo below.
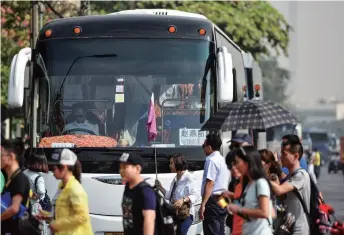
63, 157
241, 138
131, 159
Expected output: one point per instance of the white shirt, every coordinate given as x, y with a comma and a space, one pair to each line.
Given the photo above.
185, 188
86, 125
216, 170
257, 226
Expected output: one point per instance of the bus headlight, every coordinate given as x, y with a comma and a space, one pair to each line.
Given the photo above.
196, 218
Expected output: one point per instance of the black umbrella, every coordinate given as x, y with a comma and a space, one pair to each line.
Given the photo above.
255, 114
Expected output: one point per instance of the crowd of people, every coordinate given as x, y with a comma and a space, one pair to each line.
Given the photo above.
243, 191
65, 214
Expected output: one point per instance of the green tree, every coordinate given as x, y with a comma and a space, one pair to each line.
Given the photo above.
15, 30
275, 80
14, 35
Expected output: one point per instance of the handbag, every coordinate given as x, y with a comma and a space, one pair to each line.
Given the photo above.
184, 211
284, 222
45, 202
28, 225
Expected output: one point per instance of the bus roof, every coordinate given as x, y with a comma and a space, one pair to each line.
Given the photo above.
164, 12
122, 24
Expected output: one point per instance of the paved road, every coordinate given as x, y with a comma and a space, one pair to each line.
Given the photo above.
332, 187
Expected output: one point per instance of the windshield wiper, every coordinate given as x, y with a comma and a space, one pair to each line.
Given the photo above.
41, 64
82, 57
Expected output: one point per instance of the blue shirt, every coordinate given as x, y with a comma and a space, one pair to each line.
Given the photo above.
303, 165
215, 169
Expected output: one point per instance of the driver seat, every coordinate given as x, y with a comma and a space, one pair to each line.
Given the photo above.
92, 118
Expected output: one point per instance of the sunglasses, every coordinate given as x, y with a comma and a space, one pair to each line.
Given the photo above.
79, 116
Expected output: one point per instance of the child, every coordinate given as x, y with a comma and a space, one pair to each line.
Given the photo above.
139, 201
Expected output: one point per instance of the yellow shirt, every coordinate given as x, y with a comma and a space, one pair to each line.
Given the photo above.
317, 160
342, 157
71, 211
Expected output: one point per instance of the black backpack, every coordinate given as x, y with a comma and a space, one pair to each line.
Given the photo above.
46, 202
165, 213
314, 215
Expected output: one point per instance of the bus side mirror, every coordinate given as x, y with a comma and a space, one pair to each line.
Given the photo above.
225, 83
17, 78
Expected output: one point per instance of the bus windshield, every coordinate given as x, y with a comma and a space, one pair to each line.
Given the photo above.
100, 90
319, 137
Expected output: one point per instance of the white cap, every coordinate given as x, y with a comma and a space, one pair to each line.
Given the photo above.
64, 157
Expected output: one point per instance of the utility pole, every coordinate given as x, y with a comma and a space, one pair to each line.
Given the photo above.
41, 8
34, 22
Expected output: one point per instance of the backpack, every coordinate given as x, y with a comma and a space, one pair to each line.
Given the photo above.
317, 219
164, 212
45, 202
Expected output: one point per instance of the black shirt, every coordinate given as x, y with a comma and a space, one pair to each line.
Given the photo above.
134, 202
19, 185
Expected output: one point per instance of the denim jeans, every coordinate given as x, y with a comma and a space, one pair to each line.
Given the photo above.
183, 226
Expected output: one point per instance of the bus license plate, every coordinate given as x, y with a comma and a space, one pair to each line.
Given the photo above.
113, 233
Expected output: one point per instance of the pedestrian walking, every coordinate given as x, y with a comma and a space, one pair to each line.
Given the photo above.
240, 140
298, 180
303, 162
317, 162
310, 160
256, 200
216, 177
17, 185
36, 165
234, 221
139, 199
182, 193
70, 214
269, 163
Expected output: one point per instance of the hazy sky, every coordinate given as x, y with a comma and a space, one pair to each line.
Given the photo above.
316, 50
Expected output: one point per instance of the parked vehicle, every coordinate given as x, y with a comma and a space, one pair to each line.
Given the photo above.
334, 164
